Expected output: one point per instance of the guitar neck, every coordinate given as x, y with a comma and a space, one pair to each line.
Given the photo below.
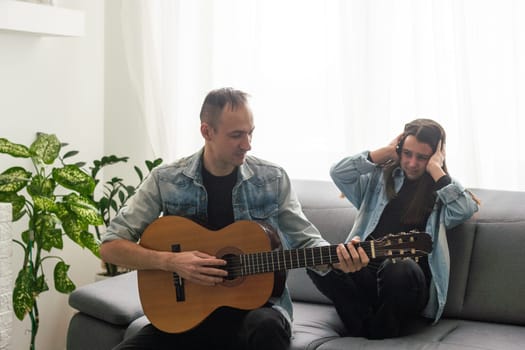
279, 260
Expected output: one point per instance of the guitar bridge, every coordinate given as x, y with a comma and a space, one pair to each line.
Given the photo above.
178, 281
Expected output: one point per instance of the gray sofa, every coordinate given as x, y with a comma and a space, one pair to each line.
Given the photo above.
485, 307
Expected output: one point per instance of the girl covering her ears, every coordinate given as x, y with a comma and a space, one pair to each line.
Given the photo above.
404, 186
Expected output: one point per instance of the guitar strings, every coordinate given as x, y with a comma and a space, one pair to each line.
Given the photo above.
248, 264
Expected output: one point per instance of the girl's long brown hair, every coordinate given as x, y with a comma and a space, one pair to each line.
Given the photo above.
426, 131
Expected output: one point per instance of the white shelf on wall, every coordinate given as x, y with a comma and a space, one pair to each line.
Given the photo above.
40, 19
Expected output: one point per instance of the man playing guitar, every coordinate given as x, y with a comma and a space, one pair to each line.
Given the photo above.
215, 187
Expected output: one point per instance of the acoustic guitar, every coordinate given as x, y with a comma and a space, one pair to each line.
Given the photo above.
256, 268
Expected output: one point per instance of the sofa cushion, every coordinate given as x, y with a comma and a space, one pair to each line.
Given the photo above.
89, 333
114, 300
448, 334
136, 326
313, 325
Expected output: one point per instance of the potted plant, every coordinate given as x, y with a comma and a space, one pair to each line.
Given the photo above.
115, 195
55, 196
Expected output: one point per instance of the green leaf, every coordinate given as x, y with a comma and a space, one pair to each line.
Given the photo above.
13, 149
106, 160
44, 203
17, 203
73, 178
24, 293
41, 285
46, 233
70, 154
139, 173
41, 186
114, 205
63, 283
115, 181
74, 228
121, 196
90, 242
151, 165
85, 209
112, 159
14, 179
25, 236
130, 190
45, 148
52, 239
103, 204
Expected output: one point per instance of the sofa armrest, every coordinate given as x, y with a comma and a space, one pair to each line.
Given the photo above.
114, 300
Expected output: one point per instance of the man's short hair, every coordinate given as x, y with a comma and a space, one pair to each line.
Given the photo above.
217, 99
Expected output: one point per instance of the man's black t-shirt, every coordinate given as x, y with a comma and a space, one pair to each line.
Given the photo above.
220, 207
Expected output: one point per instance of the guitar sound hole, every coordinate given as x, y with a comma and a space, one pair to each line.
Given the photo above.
232, 266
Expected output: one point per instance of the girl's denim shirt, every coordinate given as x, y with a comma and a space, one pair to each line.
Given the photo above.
361, 181
263, 192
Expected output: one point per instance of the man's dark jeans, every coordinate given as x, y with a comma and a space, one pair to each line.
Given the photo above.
225, 329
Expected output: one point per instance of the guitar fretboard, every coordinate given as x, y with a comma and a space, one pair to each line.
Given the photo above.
249, 264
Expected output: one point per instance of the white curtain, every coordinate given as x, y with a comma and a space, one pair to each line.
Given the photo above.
331, 78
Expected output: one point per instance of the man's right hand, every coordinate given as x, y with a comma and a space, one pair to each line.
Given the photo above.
197, 267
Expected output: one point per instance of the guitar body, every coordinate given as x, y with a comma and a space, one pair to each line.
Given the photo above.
157, 290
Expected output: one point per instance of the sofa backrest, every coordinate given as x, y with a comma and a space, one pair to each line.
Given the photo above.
487, 252
333, 215
487, 279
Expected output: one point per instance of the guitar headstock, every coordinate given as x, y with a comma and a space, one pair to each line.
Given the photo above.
403, 245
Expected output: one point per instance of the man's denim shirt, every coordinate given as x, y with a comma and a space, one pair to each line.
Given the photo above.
263, 192
361, 181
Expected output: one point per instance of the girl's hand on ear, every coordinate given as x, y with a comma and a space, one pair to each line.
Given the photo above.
394, 144
386, 154
435, 163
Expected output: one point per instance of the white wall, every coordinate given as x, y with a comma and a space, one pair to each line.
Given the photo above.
54, 85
